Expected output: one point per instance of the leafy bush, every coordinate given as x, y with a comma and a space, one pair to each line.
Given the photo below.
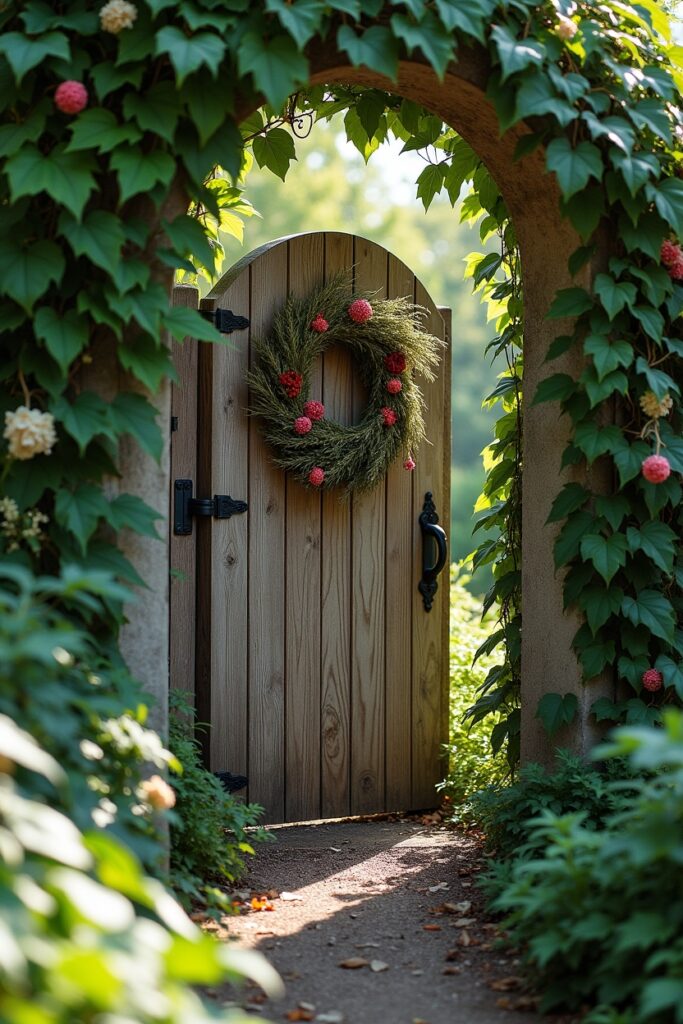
84, 934
506, 813
471, 763
599, 912
208, 826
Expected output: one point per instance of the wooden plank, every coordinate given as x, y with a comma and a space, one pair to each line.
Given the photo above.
229, 474
302, 744
446, 368
368, 614
338, 377
399, 603
430, 669
183, 550
266, 573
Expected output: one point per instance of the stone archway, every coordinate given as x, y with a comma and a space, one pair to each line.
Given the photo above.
546, 242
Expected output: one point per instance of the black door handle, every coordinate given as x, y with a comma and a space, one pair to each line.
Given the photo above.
434, 551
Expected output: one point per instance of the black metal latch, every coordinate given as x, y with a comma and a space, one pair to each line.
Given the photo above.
434, 551
221, 506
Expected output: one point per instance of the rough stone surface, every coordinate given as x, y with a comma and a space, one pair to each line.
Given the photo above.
363, 890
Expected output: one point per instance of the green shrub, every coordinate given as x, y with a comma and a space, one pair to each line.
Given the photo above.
209, 840
471, 763
599, 912
84, 934
505, 813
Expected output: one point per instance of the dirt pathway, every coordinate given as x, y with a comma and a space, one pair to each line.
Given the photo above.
396, 895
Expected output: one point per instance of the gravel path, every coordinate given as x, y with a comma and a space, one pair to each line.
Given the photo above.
396, 895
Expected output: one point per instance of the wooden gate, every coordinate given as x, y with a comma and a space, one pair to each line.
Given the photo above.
324, 679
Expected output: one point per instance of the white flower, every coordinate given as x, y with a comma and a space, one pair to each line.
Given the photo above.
29, 432
158, 793
566, 28
117, 15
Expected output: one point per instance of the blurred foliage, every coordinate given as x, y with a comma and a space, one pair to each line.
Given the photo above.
330, 188
85, 934
471, 763
593, 898
209, 840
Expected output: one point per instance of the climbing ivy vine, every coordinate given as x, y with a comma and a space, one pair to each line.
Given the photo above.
113, 119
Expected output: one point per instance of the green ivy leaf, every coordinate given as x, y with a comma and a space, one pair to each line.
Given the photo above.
183, 323
574, 167
23, 53
277, 66
79, 511
430, 182
672, 672
98, 129
613, 507
636, 169
556, 388
302, 19
275, 150
555, 710
148, 363
629, 460
188, 53
572, 497
127, 511
28, 481
651, 320
657, 541
27, 271
614, 295
537, 97
84, 418
207, 104
64, 337
156, 110
667, 196
569, 539
66, 177
375, 48
652, 610
139, 171
570, 302
599, 604
428, 36
471, 19
608, 554
515, 54
600, 389
189, 238
133, 414
594, 440
99, 237
14, 135
607, 355
647, 236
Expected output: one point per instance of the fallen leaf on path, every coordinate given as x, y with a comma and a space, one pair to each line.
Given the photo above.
464, 939
353, 963
431, 927
300, 1014
452, 970
333, 1017
378, 965
289, 896
459, 908
453, 954
464, 922
261, 903
441, 885
335, 849
517, 1002
366, 945
506, 984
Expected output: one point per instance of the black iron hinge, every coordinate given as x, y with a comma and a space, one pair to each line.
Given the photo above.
185, 507
224, 320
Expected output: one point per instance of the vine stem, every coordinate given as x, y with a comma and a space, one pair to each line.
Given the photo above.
24, 388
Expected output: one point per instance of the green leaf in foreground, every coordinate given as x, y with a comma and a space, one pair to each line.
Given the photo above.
554, 711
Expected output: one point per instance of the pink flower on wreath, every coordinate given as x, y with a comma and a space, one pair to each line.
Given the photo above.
395, 362
360, 311
676, 270
394, 386
409, 464
656, 469
652, 680
319, 324
302, 425
316, 477
669, 253
291, 382
71, 97
388, 416
314, 410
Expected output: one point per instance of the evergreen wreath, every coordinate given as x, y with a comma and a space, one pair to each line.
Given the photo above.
389, 347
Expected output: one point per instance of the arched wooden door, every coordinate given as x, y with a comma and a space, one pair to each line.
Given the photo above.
324, 679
